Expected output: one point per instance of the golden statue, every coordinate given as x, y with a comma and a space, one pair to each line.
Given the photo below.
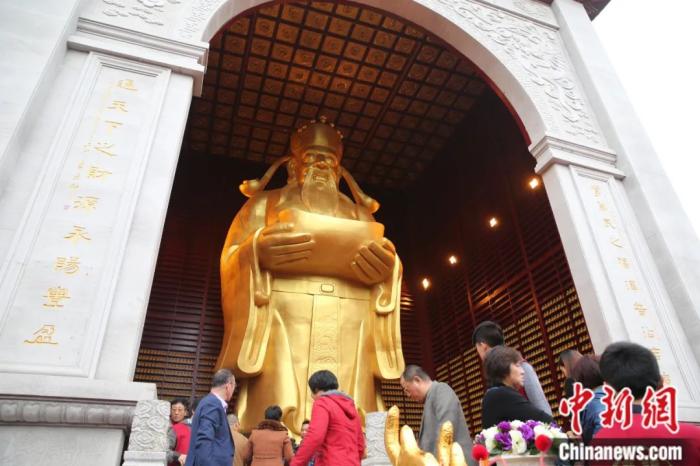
309, 282
402, 449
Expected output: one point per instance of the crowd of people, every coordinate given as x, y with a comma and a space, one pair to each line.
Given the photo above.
334, 434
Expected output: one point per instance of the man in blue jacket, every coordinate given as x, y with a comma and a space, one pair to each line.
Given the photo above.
211, 443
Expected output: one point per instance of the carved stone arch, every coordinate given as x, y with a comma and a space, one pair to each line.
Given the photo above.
515, 44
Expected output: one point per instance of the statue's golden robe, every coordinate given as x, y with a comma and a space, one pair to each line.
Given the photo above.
282, 327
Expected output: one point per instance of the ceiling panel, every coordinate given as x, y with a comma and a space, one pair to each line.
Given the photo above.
395, 92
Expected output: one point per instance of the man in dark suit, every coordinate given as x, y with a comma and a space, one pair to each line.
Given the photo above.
211, 443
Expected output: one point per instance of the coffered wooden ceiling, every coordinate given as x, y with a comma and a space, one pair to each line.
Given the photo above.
396, 93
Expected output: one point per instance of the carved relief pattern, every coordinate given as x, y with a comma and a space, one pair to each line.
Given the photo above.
374, 429
325, 335
533, 8
200, 12
542, 65
150, 427
65, 413
532, 50
150, 11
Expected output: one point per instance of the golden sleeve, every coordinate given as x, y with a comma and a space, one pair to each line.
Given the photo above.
246, 324
386, 316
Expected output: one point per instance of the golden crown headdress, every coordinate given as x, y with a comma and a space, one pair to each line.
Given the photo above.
317, 134
314, 134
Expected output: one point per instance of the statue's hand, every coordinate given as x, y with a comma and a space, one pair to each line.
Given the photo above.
403, 450
374, 263
278, 245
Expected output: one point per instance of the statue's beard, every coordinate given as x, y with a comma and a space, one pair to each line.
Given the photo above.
319, 193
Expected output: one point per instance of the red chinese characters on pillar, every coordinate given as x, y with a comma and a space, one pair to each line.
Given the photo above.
659, 408
618, 408
574, 405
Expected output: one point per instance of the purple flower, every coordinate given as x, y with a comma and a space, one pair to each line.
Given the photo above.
531, 424
554, 425
480, 439
528, 433
503, 438
504, 426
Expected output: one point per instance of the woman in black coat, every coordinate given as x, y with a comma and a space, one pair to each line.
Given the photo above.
503, 401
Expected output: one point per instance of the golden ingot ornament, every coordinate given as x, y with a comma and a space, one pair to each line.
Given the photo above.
309, 282
402, 449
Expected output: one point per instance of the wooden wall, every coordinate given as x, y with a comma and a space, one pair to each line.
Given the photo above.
515, 274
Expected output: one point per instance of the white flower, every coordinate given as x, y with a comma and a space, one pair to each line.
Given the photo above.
542, 430
557, 433
489, 440
516, 424
519, 443
490, 444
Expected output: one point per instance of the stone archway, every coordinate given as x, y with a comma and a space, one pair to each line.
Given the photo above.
519, 46
151, 57
519, 49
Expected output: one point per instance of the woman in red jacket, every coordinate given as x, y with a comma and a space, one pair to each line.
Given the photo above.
335, 435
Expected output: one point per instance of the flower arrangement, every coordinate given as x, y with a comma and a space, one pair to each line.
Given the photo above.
520, 438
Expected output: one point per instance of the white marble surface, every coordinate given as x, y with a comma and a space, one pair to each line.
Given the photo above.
59, 283
33, 36
31, 446
667, 231
621, 294
52, 386
374, 434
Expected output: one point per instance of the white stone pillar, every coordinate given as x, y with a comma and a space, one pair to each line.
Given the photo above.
375, 424
669, 235
148, 442
621, 291
85, 206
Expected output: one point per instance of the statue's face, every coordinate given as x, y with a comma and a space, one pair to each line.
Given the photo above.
318, 165
317, 174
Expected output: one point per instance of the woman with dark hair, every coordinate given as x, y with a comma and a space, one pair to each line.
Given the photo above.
587, 373
335, 435
503, 401
269, 444
567, 360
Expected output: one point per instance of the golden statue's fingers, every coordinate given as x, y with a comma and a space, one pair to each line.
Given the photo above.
361, 274
368, 267
457, 458
278, 228
282, 249
376, 262
278, 239
391, 435
408, 441
444, 443
367, 270
386, 257
286, 259
387, 244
